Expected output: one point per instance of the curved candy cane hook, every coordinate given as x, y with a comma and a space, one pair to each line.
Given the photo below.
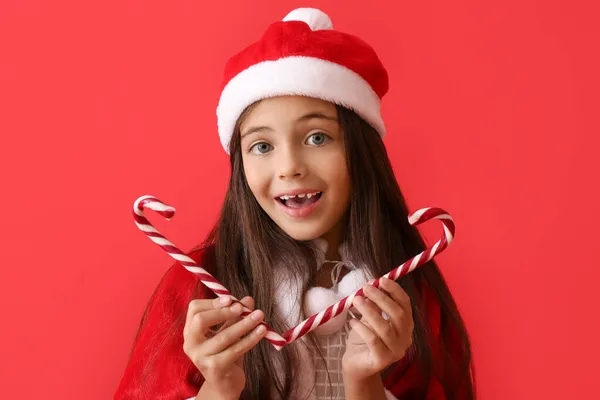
168, 212
344, 304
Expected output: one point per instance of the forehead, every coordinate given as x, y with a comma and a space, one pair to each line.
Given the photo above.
286, 109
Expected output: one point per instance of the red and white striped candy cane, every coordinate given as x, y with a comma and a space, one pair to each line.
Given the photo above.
319, 319
168, 212
334, 310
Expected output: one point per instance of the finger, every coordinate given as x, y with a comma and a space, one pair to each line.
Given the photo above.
201, 322
375, 307
232, 334
369, 301
394, 311
372, 316
404, 323
371, 339
200, 305
249, 303
241, 347
396, 293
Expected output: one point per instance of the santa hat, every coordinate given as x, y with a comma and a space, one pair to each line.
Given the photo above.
303, 55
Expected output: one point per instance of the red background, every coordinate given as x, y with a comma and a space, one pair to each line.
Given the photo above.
492, 115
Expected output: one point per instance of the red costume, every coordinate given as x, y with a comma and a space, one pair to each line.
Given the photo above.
159, 369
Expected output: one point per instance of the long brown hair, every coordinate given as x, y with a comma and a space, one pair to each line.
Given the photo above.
245, 245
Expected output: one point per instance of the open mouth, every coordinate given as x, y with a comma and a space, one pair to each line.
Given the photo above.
300, 200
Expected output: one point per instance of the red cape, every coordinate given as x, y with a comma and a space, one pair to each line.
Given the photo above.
159, 369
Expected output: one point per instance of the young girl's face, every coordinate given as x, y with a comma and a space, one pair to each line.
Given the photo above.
295, 164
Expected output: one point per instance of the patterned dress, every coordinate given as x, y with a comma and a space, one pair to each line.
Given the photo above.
320, 375
329, 380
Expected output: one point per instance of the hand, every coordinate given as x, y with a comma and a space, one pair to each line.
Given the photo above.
374, 343
218, 355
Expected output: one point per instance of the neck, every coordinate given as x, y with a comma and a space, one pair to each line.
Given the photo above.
333, 242
334, 239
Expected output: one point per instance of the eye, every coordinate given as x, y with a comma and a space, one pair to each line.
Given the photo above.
318, 139
260, 148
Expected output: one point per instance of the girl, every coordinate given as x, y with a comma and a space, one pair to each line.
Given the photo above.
312, 212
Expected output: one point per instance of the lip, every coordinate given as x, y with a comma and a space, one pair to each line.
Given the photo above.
299, 212
297, 192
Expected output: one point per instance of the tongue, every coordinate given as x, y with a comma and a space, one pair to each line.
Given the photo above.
297, 202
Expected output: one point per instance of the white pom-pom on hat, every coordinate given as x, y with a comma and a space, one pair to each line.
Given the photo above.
316, 19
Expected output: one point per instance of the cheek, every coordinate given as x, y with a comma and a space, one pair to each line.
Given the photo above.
339, 176
343, 190
257, 180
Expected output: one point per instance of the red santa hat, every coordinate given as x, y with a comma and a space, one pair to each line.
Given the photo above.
303, 55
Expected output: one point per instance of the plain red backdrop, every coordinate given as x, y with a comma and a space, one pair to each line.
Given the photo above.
492, 115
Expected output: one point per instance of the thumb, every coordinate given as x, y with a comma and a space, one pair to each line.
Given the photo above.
248, 302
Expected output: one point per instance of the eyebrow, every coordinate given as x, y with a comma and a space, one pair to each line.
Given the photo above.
306, 117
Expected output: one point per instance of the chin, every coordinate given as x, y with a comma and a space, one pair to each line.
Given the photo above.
304, 234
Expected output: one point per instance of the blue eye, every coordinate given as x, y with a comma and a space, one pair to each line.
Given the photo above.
260, 148
318, 138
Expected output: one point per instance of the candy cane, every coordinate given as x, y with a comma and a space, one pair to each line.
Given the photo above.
316, 320
168, 212
344, 304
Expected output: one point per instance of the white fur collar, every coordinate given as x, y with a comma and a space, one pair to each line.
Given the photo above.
287, 293
288, 290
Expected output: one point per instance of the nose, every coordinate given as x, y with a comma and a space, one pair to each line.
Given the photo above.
291, 163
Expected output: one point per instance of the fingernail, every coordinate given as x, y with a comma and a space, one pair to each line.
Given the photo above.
236, 308
260, 329
359, 300
256, 315
224, 300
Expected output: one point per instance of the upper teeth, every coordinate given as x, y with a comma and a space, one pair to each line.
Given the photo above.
301, 195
